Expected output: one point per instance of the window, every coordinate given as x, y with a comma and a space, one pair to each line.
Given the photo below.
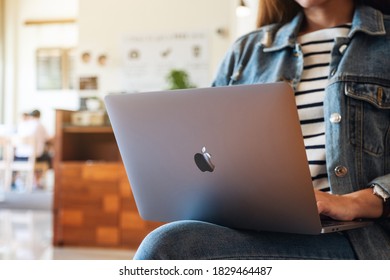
55, 68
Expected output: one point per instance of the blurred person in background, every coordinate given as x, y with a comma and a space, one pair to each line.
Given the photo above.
32, 128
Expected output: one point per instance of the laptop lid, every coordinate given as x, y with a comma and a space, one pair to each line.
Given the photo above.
231, 155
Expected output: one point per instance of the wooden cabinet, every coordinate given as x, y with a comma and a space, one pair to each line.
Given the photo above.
93, 203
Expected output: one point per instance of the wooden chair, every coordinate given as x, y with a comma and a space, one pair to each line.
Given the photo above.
40, 170
6, 156
25, 167
33, 171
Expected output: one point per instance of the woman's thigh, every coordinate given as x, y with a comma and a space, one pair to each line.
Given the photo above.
200, 240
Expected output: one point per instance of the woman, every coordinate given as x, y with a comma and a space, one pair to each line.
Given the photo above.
335, 54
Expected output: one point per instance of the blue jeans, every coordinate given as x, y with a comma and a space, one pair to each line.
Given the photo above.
199, 240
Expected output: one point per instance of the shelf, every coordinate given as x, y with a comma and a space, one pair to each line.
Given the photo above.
87, 129
93, 202
91, 162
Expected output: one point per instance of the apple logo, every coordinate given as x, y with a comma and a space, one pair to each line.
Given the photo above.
203, 161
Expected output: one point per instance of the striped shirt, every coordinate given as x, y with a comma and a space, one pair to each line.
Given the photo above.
316, 48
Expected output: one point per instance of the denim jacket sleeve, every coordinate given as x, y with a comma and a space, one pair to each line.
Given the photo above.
383, 182
239, 58
225, 70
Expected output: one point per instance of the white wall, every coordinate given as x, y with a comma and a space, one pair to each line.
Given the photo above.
247, 23
101, 24
22, 41
1, 61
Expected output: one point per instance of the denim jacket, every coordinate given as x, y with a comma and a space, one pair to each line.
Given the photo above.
356, 105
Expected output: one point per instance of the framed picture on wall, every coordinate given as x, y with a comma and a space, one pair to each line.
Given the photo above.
88, 83
55, 68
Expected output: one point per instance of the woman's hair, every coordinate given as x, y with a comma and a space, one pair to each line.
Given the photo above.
282, 11
276, 11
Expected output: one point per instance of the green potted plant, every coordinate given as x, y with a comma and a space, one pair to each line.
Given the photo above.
178, 79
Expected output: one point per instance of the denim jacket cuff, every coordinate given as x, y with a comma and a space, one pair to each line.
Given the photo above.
383, 182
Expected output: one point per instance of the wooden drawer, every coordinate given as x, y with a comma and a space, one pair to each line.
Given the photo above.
95, 207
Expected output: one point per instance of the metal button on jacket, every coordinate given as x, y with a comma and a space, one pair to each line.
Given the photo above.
335, 118
342, 48
340, 171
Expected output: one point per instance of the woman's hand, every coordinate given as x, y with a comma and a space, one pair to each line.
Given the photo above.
347, 207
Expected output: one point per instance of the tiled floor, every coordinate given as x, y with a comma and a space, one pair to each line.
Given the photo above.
27, 234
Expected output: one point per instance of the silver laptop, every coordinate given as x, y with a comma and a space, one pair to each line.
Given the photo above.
231, 155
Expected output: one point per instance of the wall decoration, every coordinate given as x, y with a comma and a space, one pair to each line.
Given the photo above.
88, 83
86, 57
102, 60
149, 58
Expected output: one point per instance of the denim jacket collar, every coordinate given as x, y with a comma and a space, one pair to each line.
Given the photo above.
367, 20
285, 36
